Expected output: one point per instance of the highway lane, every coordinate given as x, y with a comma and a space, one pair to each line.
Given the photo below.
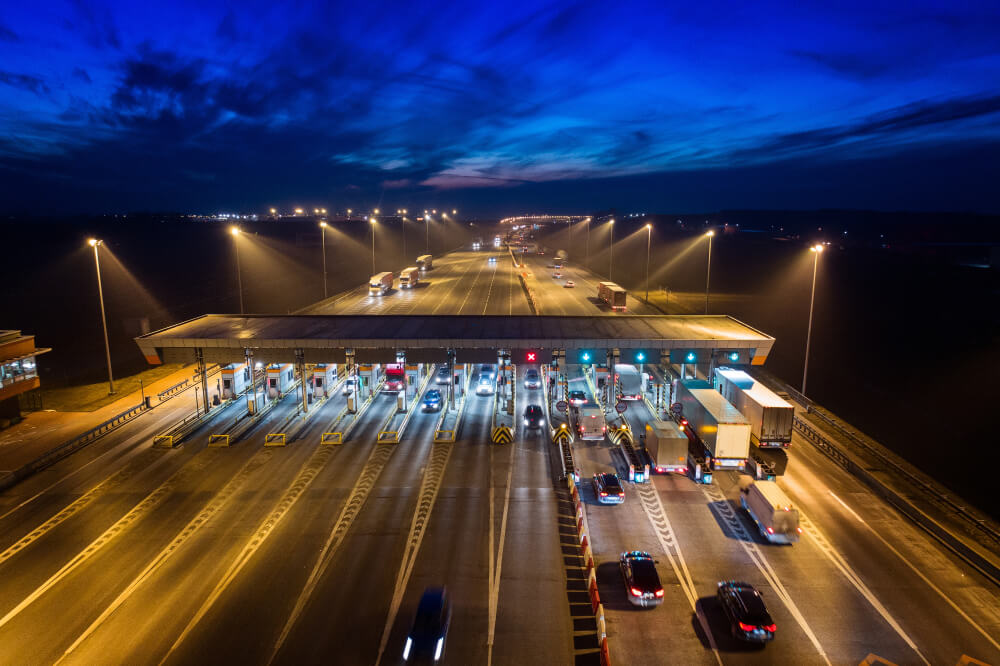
578, 300
830, 595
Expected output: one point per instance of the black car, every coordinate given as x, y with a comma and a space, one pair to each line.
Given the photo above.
746, 611
642, 583
425, 642
608, 489
534, 417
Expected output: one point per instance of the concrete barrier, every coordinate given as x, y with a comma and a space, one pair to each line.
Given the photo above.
605, 653
595, 597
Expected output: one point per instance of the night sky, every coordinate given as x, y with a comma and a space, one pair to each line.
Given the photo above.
499, 107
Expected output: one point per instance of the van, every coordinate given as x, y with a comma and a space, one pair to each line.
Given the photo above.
590, 423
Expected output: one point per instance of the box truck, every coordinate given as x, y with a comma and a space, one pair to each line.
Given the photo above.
409, 277
630, 382
612, 294
379, 284
666, 447
770, 508
717, 425
769, 415
425, 262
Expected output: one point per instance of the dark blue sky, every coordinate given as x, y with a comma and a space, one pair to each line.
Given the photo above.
499, 107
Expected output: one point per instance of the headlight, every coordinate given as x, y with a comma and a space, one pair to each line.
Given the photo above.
437, 650
406, 650
525, 421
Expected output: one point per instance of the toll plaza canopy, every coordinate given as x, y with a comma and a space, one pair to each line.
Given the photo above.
427, 338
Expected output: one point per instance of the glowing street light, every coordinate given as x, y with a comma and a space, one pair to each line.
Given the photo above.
235, 231
376, 211
94, 243
817, 250
454, 211
649, 236
323, 211
349, 213
274, 211
372, 221
708, 270
322, 227
298, 211
611, 248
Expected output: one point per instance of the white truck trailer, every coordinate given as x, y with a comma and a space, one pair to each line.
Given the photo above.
630, 382
379, 284
770, 416
425, 262
770, 508
409, 277
721, 429
666, 447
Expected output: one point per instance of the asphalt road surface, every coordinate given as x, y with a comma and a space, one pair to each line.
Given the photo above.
314, 553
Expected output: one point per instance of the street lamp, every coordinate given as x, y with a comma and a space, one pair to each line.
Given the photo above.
372, 220
349, 213
649, 236
817, 250
611, 249
323, 226
402, 224
235, 231
427, 233
94, 243
588, 241
708, 270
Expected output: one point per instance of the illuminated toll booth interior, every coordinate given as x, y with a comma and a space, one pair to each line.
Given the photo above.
280, 377
235, 379
324, 377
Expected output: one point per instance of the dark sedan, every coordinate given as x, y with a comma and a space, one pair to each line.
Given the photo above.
642, 583
747, 613
425, 642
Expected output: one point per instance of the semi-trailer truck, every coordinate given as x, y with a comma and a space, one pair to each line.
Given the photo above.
769, 506
717, 425
425, 262
766, 463
409, 277
612, 294
629, 381
379, 284
666, 447
395, 377
769, 415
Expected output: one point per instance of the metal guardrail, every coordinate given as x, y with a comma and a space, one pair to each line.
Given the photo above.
914, 479
173, 390
53, 456
928, 524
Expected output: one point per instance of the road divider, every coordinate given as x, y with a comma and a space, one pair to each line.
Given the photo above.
339, 429
447, 428
587, 555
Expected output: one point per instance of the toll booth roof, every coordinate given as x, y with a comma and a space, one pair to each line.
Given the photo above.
337, 331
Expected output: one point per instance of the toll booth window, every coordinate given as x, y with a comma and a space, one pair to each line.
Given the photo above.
319, 382
274, 382
226, 383
246, 374
289, 375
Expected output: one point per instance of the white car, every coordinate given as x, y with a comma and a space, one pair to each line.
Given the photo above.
569, 284
485, 386
349, 385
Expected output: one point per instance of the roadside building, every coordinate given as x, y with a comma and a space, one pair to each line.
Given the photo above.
18, 371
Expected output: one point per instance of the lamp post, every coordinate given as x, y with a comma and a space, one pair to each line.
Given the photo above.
372, 220
235, 231
322, 226
588, 241
649, 236
816, 250
94, 243
708, 269
427, 233
611, 249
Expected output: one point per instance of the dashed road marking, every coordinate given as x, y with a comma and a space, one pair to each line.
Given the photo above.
430, 484
196, 523
377, 460
305, 477
496, 565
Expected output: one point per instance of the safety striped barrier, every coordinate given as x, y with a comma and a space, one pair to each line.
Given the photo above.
332, 438
218, 441
274, 439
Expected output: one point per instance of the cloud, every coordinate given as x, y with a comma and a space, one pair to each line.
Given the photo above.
81, 74
397, 184
862, 66
8, 35
24, 82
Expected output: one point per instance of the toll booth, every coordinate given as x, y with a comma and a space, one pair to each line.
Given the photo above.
600, 376
368, 375
459, 375
235, 379
414, 373
279, 378
324, 377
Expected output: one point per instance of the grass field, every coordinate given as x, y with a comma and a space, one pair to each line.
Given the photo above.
90, 397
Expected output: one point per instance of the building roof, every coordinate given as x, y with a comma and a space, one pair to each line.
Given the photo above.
339, 332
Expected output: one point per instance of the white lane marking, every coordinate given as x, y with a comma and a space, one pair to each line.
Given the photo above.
655, 512
356, 500
195, 524
138, 512
718, 499
832, 554
923, 577
494, 582
469, 291
302, 481
429, 486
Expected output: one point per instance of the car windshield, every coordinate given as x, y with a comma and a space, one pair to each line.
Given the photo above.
611, 483
531, 374
429, 620
577, 395
533, 410
755, 610
433, 395
644, 574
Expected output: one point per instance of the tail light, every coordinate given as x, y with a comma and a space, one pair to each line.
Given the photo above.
659, 593
746, 627
799, 530
636, 592
770, 530
621, 494
770, 627
603, 494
